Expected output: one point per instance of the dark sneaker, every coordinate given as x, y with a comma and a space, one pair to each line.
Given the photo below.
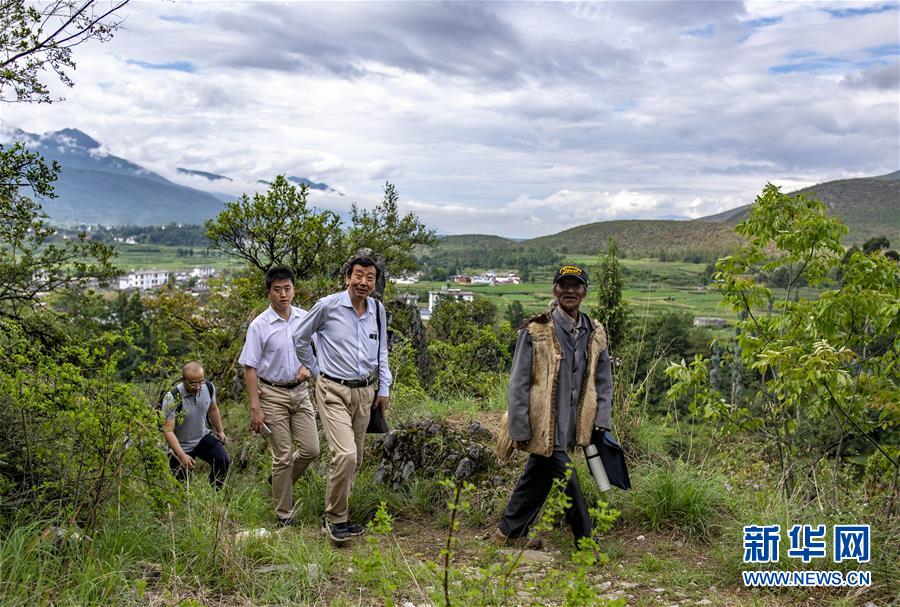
355, 529
337, 532
288, 522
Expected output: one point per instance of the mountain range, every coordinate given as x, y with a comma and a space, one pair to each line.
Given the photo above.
95, 187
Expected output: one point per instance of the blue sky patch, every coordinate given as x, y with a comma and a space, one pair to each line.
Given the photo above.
176, 19
178, 66
886, 50
845, 13
764, 21
702, 32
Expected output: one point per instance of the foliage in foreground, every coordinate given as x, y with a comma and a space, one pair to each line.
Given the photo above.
821, 374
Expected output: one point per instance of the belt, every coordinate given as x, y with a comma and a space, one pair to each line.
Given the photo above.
287, 386
351, 383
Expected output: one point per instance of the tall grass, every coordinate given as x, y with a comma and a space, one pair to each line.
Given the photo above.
678, 496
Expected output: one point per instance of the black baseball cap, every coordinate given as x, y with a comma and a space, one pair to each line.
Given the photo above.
572, 271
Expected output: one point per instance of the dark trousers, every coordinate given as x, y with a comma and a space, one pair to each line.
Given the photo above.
532, 490
211, 451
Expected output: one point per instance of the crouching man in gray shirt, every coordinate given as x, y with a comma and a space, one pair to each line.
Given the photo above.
185, 409
560, 392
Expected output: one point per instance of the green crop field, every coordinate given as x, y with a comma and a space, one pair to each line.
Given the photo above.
144, 256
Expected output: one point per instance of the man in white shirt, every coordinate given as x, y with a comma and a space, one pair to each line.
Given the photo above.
351, 356
278, 390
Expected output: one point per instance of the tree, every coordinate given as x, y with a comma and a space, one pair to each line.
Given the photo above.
279, 228
515, 313
35, 39
876, 243
611, 309
31, 263
382, 229
40, 38
454, 321
819, 371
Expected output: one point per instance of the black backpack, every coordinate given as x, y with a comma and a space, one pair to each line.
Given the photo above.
179, 402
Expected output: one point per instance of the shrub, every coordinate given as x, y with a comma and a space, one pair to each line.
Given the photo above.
681, 497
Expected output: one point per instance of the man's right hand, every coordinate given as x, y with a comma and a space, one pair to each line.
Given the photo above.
186, 461
257, 419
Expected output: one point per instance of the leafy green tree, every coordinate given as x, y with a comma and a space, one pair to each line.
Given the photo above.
279, 228
39, 38
824, 363
453, 321
611, 309
515, 313
31, 263
876, 243
385, 231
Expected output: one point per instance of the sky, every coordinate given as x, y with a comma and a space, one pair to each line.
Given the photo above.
509, 118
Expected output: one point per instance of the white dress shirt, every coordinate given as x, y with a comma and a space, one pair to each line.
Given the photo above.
269, 347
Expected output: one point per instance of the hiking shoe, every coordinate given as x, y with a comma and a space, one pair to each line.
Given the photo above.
355, 529
288, 522
337, 532
528, 543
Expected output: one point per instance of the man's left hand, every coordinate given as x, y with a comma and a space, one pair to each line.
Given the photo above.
302, 374
222, 437
381, 402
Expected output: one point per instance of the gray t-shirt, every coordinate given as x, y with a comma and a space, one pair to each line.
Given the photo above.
190, 422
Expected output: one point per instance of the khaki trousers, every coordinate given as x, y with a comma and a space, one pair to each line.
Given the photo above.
344, 413
292, 420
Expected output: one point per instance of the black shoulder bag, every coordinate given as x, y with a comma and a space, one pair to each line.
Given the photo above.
377, 423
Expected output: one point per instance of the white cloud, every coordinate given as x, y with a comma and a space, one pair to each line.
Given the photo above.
490, 117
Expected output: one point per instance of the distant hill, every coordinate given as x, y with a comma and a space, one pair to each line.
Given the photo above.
870, 206
643, 238
96, 187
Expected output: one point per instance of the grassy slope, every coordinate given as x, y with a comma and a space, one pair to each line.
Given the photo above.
869, 206
640, 238
192, 556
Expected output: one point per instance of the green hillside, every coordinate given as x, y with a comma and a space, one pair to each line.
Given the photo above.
644, 238
870, 206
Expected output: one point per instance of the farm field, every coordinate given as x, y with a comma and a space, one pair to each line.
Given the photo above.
161, 257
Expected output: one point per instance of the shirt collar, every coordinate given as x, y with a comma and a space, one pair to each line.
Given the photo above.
345, 301
568, 323
273, 316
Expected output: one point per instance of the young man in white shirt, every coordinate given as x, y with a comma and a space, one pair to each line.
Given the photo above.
278, 390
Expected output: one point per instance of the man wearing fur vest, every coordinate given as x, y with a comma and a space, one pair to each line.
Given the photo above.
560, 392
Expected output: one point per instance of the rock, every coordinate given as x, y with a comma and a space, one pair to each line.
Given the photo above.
260, 533
641, 538
602, 586
465, 469
529, 556
408, 469
390, 440
313, 571
659, 590
704, 602
628, 585
476, 430
271, 568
